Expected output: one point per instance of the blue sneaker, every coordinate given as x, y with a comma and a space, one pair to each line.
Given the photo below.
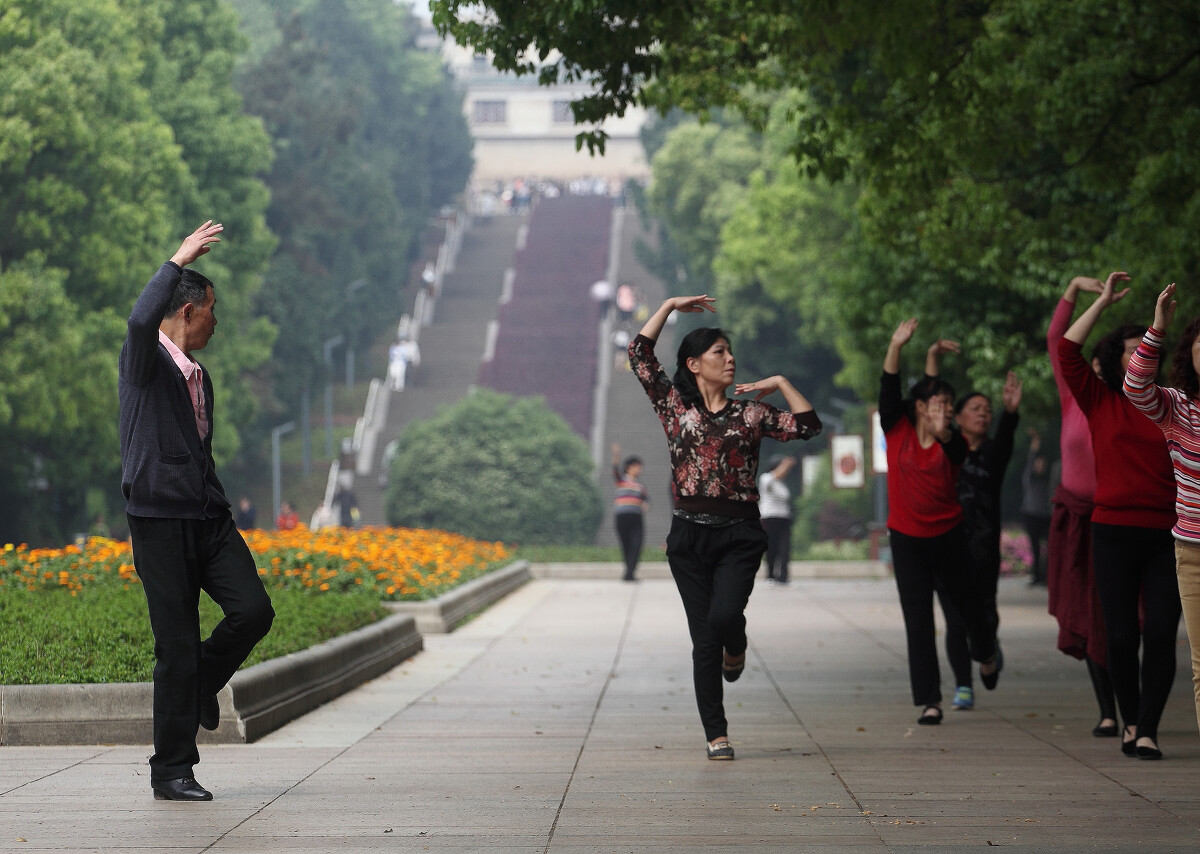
964, 698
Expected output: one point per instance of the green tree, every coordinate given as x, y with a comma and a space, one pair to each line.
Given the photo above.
495, 467
119, 132
370, 141
999, 147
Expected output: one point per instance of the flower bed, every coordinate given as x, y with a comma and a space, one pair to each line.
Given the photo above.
398, 563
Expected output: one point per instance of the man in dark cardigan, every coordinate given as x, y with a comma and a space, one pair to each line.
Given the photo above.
183, 534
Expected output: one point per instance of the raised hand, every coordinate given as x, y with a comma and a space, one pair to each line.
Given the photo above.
1011, 396
690, 305
904, 332
1164, 309
198, 243
937, 415
1108, 291
942, 346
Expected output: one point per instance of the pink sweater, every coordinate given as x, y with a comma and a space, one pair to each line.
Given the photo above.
1075, 442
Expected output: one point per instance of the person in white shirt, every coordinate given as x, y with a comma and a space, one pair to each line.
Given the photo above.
775, 510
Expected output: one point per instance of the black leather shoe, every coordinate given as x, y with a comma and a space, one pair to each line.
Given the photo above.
183, 789
210, 712
1129, 746
1148, 752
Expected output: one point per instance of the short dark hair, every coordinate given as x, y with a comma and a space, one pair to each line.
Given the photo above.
1183, 372
928, 387
961, 403
695, 343
1109, 350
193, 287
631, 461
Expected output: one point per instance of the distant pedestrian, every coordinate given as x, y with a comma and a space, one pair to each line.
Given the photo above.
716, 541
775, 509
345, 502
246, 514
288, 518
1035, 505
629, 508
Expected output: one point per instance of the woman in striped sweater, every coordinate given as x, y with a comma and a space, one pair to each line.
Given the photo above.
1132, 548
1177, 412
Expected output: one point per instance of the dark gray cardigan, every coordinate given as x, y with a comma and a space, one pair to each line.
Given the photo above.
167, 471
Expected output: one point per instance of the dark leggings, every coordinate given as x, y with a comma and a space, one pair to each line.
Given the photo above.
779, 545
921, 565
1133, 564
714, 569
986, 577
630, 532
1038, 529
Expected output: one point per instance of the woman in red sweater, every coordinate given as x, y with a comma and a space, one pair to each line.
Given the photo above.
925, 525
1133, 551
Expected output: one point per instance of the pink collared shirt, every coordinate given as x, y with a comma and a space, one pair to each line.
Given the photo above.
193, 375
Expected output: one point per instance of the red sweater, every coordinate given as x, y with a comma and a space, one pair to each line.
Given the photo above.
1135, 481
922, 482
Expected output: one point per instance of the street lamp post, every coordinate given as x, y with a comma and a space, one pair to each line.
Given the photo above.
330, 343
350, 289
276, 473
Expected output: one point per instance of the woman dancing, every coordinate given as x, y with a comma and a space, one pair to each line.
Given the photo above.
925, 527
1177, 412
1070, 583
716, 541
1133, 551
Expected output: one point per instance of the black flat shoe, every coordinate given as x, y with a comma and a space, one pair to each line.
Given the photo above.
183, 789
1129, 748
989, 680
1148, 753
733, 672
930, 716
210, 712
1110, 731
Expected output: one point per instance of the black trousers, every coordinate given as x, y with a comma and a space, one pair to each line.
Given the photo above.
779, 546
986, 578
630, 532
714, 569
175, 559
923, 565
1131, 565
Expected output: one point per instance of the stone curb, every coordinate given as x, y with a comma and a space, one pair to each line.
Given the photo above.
439, 616
258, 699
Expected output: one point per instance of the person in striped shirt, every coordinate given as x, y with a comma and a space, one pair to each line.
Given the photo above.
629, 504
1132, 548
1177, 412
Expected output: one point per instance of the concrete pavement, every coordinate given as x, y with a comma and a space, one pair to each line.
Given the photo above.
562, 720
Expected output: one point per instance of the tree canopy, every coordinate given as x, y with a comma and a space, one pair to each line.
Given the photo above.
992, 149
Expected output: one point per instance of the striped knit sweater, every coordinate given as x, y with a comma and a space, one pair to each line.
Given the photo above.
1179, 418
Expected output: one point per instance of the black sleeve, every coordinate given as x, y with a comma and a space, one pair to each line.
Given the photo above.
891, 401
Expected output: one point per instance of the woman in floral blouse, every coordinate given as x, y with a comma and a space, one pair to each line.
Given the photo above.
716, 542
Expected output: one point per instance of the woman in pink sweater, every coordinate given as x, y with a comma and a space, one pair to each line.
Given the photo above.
1177, 413
1072, 589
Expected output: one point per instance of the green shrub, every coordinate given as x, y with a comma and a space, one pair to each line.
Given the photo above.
495, 467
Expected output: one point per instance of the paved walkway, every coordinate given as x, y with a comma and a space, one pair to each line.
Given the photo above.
562, 720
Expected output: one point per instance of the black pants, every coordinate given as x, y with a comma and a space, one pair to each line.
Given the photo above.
629, 532
176, 559
779, 546
921, 564
1038, 529
1133, 564
985, 578
714, 569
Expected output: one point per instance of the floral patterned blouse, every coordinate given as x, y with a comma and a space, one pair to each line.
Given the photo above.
714, 455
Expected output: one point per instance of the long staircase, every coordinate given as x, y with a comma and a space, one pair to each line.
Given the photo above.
452, 345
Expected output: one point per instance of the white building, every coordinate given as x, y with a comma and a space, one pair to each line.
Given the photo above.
523, 130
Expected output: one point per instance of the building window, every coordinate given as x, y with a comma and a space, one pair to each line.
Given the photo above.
489, 112
562, 112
